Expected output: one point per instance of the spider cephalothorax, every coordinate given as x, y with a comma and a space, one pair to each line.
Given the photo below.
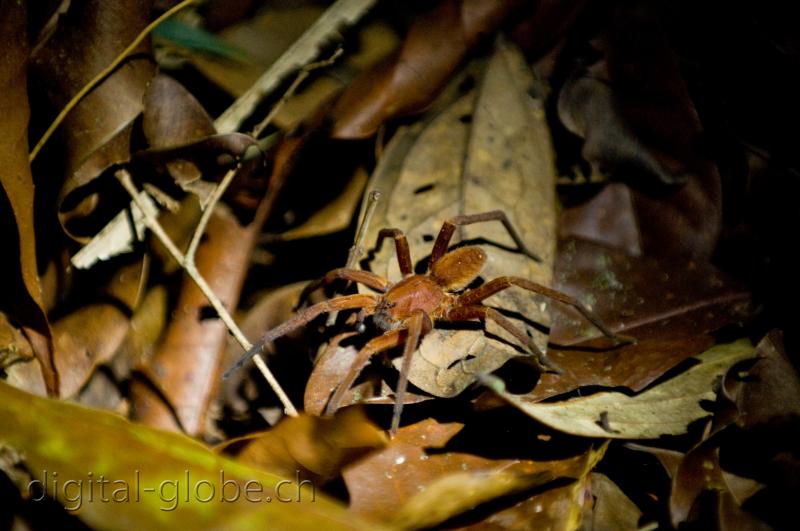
409, 308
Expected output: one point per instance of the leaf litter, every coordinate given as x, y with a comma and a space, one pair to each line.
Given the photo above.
443, 114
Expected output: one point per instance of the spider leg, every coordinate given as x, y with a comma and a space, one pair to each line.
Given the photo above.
401, 248
485, 291
346, 302
378, 344
466, 313
418, 324
449, 227
367, 278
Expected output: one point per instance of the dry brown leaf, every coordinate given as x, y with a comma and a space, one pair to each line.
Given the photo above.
335, 216
330, 369
665, 409
146, 325
188, 359
635, 112
612, 508
404, 471
268, 34
172, 117
22, 291
91, 335
561, 508
317, 447
670, 305
502, 160
435, 44
97, 132
187, 363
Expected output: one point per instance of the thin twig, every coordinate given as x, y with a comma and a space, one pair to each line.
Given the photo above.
212, 201
341, 14
357, 250
187, 263
96, 80
304, 73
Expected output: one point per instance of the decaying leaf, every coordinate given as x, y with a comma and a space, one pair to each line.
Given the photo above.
22, 291
665, 409
634, 110
335, 216
434, 46
612, 508
91, 335
115, 475
424, 485
330, 369
187, 361
454, 493
561, 507
670, 305
97, 132
318, 447
485, 152
747, 453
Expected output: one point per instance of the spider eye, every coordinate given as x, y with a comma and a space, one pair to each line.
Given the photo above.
361, 328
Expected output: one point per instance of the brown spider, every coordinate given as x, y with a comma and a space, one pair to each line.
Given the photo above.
408, 309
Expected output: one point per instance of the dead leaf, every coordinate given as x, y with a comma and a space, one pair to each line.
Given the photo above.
665, 409
436, 43
91, 335
639, 123
22, 291
612, 508
503, 142
147, 469
404, 473
333, 217
97, 132
670, 305
317, 447
559, 508
172, 117
187, 361
460, 491
330, 369
755, 441
187, 364
146, 325
267, 35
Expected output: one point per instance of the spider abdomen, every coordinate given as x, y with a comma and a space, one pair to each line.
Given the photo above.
458, 268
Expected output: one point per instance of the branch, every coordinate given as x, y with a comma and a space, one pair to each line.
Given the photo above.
187, 263
302, 52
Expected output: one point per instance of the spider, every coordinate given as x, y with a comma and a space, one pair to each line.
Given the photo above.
409, 308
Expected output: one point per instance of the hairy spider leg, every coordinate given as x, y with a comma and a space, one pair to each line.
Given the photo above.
401, 249
367, 278
345, 302
418, 325
466, 313
485, 291
375, 345
449, 227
